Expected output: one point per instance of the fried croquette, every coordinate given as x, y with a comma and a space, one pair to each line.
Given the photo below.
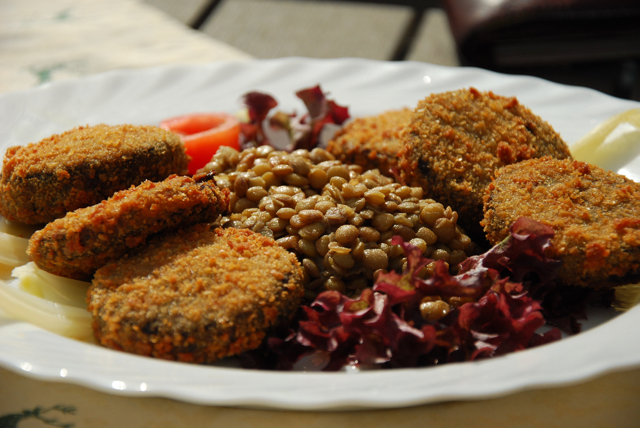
196, 296
84, 240
372, 142
595, 215
81, 167
456, 140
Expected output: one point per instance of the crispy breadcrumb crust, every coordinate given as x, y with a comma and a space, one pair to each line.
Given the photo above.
373, 141
86, 239
456, 140
81, 167
196, 296
594, 213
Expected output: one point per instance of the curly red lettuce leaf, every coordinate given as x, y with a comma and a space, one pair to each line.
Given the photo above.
504, 320
361, 331
562, 307
303, 131
321, 111
384, 326
258, 105
521, 254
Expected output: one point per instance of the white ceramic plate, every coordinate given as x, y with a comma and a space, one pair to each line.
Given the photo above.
367, 87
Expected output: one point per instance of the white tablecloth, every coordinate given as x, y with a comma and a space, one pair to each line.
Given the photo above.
49, 40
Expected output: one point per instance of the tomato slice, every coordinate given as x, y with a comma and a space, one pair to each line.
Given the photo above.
203, 134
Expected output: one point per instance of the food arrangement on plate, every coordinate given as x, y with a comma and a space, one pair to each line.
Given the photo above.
370, 251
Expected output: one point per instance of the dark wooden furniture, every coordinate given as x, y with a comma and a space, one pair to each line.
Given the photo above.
556, 39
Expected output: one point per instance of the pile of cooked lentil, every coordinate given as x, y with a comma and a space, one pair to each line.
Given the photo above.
338, 218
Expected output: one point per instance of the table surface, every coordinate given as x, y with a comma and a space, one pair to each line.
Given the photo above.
38, 43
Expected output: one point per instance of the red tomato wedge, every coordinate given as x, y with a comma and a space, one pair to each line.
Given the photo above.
203, 134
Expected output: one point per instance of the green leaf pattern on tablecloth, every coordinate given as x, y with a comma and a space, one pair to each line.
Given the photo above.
48, 41
44, 73
45, 414
63, 15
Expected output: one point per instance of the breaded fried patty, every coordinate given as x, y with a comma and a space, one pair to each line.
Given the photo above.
86, 239
197, 296
81, 167
372, 142
595, 215
456, 140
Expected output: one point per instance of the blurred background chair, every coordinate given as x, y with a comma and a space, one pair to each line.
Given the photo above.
585, 42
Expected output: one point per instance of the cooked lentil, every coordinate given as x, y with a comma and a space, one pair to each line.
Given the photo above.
338, 218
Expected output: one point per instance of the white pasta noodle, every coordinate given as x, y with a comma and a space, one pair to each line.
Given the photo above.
13, 243
29, 294
57, 289
13, 250
20, 230
612, 143
53, 303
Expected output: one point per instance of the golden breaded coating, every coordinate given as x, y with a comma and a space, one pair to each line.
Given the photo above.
84, 240
595, 215
196, 296
372, 142
457, 140
81, 167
